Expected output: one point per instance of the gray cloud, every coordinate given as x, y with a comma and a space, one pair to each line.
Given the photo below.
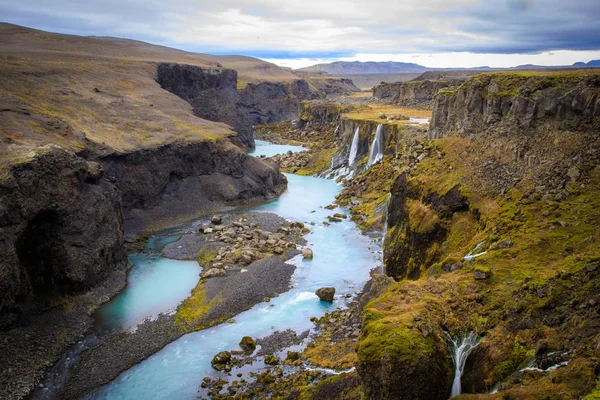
325, 27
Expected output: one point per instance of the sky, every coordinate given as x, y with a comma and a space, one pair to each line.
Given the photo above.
433, 33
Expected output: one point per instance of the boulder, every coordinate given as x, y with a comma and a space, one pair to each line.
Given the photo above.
211, 273
221, 362
307, 253
481, 275
216, 219
326, 293
271, 360
248, 344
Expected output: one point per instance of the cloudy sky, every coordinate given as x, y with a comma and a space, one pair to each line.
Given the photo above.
434, 33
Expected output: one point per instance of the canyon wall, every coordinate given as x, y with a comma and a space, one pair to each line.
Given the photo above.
61, 231
514, 156
518, 103
420, 91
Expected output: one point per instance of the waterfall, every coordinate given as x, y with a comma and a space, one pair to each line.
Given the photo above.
461, 348
377, 147
354, 148
386, 204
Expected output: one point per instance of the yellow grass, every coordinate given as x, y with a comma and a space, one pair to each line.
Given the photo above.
373, 112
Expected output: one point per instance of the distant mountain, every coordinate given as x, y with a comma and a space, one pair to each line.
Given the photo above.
369, 67
344, 68
593, 63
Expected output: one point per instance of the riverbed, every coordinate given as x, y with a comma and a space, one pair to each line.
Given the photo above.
343, 258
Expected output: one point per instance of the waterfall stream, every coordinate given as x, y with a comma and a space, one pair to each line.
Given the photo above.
377, 147
354, 148
461, 348
385, 230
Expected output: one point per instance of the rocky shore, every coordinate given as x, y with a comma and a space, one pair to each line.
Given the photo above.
241, 285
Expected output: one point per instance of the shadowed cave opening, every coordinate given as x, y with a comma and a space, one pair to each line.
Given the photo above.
40, 253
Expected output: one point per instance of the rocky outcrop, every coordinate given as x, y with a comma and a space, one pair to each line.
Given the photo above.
268, 102
61, 231
367, 130
415, 224
180, 180
327, 84
416, 93
518, 103
214, 95
211, 92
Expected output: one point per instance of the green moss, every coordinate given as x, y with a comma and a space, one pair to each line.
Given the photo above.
190, 312
205, 256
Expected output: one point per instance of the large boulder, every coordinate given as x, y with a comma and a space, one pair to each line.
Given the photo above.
248, 344
307, 253
326, 293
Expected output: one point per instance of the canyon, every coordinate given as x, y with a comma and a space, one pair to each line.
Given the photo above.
455, 209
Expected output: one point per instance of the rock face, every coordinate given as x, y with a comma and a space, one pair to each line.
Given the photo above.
412, 93
61, 231
425, 377
211, 92
418, 223
214, 95
187, 178
515, 102
420, 91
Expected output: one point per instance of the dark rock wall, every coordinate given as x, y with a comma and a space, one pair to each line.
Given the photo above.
214, 96
211, 92
182, 179
61, 231
268, 102
508, 104
412, 93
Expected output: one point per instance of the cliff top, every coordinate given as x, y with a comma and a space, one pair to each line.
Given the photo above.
100, 94
30, 43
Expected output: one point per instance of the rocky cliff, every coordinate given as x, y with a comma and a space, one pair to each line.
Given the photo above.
61, 230
211, 92
523, 102
415, 93
177, 181
495, 232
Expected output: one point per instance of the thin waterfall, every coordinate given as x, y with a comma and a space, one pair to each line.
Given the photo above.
461, 348
377, 147
386, 204
354, 148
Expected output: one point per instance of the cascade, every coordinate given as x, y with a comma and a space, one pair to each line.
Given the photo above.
377, 147
354, 148
385, 229
461, 348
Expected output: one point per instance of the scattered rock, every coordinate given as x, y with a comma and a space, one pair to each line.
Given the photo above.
211, 273
573, 173
292, 356
271, 360
326, 293
216, 219
481, 275
505, 244
221, 362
